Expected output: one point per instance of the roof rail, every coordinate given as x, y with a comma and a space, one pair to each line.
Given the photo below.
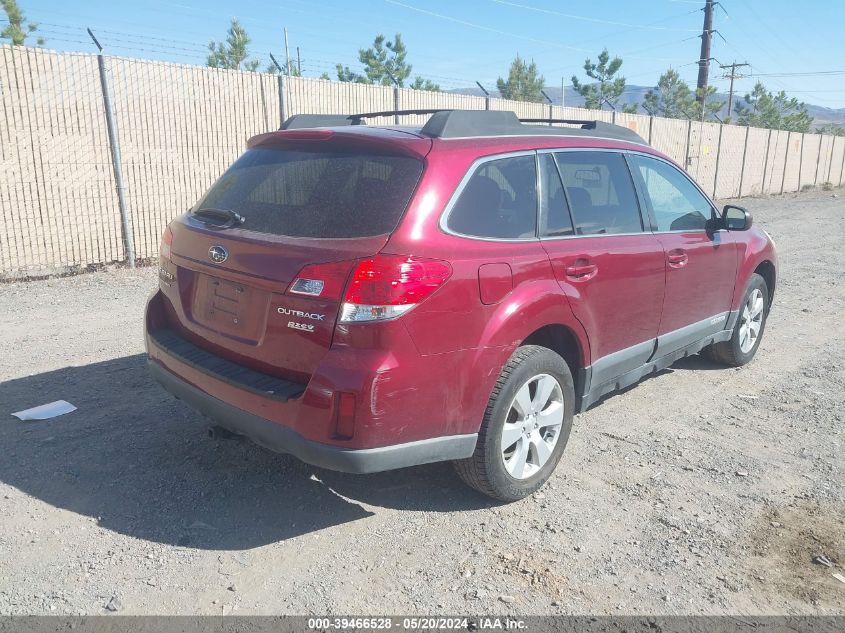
474, 123
470, 123
585, 123
300, 121
373, 115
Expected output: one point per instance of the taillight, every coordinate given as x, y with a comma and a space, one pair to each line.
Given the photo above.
321, 281
387, 286
166, 242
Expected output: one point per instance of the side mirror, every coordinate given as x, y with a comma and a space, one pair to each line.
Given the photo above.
736, 218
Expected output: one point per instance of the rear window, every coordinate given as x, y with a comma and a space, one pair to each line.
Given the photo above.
316, 194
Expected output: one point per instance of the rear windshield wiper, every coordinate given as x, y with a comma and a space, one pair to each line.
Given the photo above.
219, 218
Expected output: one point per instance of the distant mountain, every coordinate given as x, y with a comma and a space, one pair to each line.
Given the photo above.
636, 94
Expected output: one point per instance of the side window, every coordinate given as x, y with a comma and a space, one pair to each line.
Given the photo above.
600, 192
554, 210
499, 200
678, 205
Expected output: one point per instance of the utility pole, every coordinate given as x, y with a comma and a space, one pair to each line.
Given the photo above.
732, 75
298, 62
704, 60
287, 53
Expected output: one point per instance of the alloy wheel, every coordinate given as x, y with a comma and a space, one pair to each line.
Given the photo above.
752, 321
532, 427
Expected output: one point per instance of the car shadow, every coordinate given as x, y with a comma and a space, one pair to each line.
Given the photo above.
695, 362
139, 462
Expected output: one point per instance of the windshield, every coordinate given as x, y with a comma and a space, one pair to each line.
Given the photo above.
316, 194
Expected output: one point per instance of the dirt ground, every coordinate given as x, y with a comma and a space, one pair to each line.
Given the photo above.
701, 491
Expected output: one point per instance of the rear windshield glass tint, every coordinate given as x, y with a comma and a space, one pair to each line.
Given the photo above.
316, 194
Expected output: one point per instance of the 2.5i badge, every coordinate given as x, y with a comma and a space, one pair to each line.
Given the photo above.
303, 327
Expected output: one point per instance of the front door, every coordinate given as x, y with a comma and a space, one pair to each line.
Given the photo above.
700, 264
610, 268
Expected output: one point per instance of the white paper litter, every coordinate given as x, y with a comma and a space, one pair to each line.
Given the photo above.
45, 411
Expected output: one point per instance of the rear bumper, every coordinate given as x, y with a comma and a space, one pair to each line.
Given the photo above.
283, 439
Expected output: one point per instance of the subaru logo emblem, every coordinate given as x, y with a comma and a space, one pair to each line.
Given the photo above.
218, 254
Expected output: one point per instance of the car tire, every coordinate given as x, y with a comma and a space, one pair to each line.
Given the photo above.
751, 322
520, 408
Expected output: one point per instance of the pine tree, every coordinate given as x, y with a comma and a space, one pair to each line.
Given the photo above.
347, 75
424, 84
18, 28
830, 128
232, 53
524, 82
762, 108
709, 107
294, 70
384, 62
607, 88
671, 98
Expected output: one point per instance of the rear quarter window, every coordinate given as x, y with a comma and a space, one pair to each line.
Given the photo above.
498, 201
300, 193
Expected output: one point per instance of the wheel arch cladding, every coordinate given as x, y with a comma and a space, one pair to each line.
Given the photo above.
766, 270
563, 341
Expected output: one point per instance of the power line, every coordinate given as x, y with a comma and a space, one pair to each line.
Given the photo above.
500, 32
483, 27
588, 19
812, 73
732, 76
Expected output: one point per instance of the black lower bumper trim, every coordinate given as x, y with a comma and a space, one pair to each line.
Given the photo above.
222, 369
284, 440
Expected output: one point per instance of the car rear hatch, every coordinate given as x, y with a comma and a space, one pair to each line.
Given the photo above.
304, 206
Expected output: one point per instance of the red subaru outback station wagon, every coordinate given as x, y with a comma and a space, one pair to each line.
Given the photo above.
373, 297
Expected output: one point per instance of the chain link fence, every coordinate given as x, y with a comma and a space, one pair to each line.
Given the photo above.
177, 127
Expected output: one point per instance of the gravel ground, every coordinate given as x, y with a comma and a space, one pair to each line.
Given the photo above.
702, 490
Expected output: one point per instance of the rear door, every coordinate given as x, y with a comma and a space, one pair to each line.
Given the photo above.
700, 264
608, 265
309, 210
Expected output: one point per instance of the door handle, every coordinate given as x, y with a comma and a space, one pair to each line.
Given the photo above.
581, 270
677, 258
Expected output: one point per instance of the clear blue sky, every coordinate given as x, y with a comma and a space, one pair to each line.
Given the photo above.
455, 42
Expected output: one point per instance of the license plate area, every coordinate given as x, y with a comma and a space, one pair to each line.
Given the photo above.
230, 308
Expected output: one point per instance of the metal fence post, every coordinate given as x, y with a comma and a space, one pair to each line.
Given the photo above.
283, 105
766, 163
686, 151
396, 104
718, 155
786, 162
830, 158
801, 162
842, 169
114, 145
742, 167
650, 126
818, 161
